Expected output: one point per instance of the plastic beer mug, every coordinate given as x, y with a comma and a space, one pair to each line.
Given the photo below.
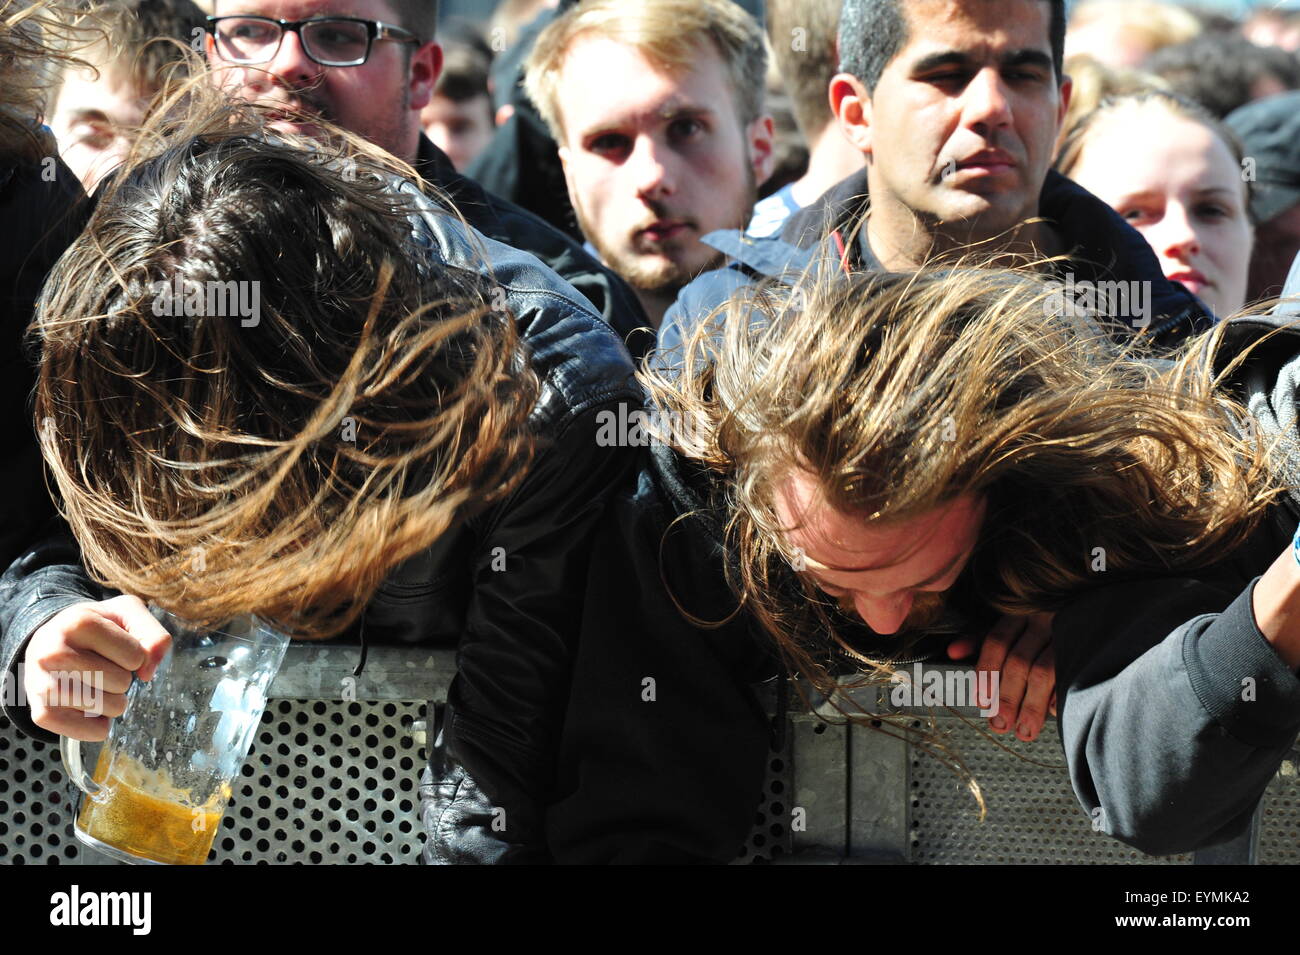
164, 774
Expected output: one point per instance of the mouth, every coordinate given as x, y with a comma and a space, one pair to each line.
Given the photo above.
988, 162
1193, 280
664, 229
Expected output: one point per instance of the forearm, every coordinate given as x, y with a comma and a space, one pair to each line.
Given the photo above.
1276, 604
1171, 741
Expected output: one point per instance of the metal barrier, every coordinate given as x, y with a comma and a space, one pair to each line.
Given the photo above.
333, 778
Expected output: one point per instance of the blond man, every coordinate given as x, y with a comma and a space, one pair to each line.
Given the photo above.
657, 106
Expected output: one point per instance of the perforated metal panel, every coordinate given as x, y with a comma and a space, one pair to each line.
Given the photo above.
335, 782
1033, 816
769, 839
35, 814
328, 782
1279, 837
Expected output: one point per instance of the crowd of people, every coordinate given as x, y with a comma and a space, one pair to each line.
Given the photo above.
648, 354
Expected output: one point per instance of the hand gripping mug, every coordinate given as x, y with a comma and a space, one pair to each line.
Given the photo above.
164, 774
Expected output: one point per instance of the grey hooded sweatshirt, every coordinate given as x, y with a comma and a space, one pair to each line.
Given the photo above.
1174, 710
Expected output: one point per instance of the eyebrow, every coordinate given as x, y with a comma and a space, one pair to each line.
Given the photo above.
84, 115
1025, 57
671, 114
939, 575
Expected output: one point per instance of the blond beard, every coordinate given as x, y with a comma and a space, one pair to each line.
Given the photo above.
927, 609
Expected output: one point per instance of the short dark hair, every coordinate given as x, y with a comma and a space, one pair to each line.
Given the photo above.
873, 31
464, 75
418, 16
1220, 70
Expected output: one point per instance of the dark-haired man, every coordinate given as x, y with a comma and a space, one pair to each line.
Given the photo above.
955, 105
372, 70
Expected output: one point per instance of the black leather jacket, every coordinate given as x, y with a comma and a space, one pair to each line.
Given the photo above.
506, 222
492, 767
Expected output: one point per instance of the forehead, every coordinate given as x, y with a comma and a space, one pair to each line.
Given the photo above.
603, 82
1181, 151
111, 93
990, 27
846, 542
305, 9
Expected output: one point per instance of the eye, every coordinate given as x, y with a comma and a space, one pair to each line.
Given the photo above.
949, 78
1137, 215
609, 144
1213, 210
685, 128
94, 135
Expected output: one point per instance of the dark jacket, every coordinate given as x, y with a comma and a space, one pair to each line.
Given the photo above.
1104, 248
493, 759
42, 209
508, 224
666, 737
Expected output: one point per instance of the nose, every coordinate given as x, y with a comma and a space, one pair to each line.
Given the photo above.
650, 169
1174, 236
884, 615
291, 63
986, 105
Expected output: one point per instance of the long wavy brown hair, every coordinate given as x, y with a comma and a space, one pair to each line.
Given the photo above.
901, 392
218, 465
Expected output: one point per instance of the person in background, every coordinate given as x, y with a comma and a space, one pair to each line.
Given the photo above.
1174, 173
458, 119
802, 34
1275, 25
375, 86
100, 104
1095, 82
956, 106
1270, 134
1224, 71
657, 106
1123, 33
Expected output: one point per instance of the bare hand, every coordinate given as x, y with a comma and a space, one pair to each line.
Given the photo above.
79, 664
1017, 653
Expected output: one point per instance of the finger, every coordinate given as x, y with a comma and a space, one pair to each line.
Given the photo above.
1051, 707
962, 647
50, 669
993, 655
71, 723
1038, 694
132, 616
83, 691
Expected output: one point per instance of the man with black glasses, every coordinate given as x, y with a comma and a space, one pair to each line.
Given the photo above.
370, 67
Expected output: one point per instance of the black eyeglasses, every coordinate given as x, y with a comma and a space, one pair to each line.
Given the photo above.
329, 41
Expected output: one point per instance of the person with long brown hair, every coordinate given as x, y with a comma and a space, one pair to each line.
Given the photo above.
276, 378
849, 463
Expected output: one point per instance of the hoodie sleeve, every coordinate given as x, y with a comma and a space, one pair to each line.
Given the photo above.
1174, 710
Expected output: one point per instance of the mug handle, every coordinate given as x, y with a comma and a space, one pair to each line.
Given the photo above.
70, 750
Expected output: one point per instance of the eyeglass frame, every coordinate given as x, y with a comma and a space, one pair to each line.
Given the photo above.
375, 30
